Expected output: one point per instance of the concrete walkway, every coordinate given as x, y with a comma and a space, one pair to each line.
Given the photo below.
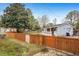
54, 52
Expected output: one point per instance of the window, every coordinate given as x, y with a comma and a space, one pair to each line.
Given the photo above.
67, 34
48, 29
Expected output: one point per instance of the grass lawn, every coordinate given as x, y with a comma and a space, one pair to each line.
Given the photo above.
8, 47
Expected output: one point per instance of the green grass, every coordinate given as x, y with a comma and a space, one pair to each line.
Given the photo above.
11, 48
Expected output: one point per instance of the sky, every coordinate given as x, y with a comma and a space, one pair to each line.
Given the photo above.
52, 10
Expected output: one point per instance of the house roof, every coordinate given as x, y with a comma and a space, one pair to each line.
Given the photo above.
62, 24
65, 23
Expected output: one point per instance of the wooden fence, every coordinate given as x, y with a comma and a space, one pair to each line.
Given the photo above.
18, 36
62, 43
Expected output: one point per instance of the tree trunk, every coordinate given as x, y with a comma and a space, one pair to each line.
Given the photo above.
18, 31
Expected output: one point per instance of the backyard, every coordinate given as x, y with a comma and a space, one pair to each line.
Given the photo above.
22, 34
14, 47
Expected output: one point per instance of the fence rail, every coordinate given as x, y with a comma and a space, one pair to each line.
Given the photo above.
62, 43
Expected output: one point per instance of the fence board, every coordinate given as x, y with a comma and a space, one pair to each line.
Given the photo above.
62, 43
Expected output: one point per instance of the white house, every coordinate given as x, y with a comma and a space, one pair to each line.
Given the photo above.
64, 29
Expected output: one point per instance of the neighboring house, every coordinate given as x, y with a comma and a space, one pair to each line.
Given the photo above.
48, 29
64, 29
3, 30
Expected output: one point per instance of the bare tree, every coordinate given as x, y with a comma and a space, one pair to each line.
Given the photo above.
73, 16
54, 21
43, 21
